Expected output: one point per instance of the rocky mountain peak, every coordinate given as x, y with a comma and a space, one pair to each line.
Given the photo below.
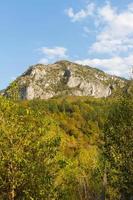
63, 78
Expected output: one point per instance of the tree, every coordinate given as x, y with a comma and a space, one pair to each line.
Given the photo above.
50, 149
118, 150
28, 149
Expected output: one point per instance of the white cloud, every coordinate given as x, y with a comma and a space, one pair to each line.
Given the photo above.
113, 28
52, 54
107, 13
116, 35
44, 61
82, 14
115, 65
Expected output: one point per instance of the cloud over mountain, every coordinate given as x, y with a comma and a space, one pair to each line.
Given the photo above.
112, 30
52, 54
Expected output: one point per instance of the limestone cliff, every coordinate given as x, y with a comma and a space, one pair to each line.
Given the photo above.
63, 78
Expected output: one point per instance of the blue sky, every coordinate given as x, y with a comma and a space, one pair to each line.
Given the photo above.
97, 33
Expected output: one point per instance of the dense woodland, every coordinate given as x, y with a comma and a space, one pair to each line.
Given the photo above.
71, 148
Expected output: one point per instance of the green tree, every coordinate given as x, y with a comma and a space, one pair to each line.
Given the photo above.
119, 150
28, 147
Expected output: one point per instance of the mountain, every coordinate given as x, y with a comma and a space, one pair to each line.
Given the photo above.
63, 78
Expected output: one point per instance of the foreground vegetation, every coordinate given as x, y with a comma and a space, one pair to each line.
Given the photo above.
75, 148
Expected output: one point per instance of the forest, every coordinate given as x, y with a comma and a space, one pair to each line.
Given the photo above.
66, 148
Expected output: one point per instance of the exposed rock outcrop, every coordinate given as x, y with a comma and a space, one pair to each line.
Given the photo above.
63, 78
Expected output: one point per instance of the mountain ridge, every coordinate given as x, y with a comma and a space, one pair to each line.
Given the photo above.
63, 78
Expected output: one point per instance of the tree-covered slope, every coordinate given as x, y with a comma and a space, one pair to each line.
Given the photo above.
51, 149
67, 148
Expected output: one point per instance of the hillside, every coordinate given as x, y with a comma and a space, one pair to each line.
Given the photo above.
62, 143
55, 149
47, 153
63, 78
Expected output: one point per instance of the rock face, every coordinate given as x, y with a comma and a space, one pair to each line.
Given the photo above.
63, 78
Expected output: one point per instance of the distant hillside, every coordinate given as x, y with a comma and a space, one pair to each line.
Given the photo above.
63, 78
